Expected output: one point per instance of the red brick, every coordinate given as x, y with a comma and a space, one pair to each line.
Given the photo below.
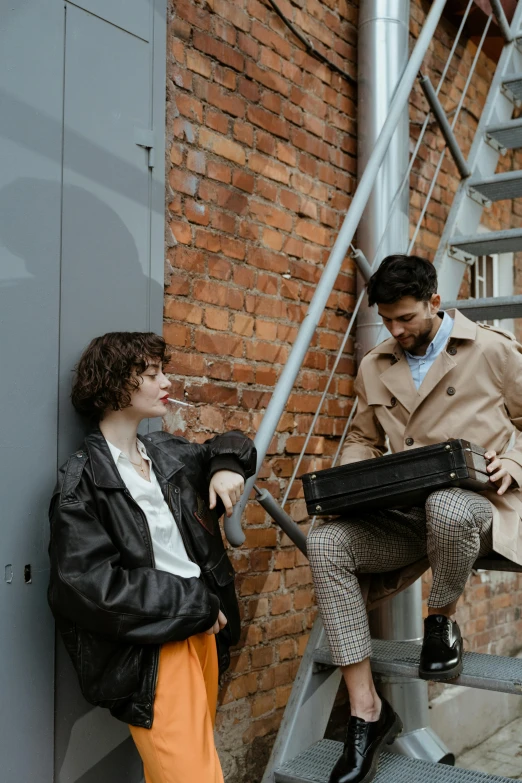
284, 626
233, 14
196, 212
216, 319
268, 168
219, 267
189, 107
225, 101
219, 345
244, 133
217, 121
181, 231
176, 334
221, 146
243, 181
196, 161
196, 16
184, 182
267, 78
199, 64
271, 215
220, 51
268, 121
183, 311
219, 171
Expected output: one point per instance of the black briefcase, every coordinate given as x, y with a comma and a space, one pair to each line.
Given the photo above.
396, 480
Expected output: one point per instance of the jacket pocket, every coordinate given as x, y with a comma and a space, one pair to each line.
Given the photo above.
107, 670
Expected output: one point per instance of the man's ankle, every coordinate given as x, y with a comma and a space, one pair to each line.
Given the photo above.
367, 709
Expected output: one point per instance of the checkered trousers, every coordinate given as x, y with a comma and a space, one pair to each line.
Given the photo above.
453, 529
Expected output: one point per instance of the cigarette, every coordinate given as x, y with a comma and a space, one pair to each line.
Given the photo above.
179, 402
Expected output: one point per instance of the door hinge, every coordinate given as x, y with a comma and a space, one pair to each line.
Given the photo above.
144, 137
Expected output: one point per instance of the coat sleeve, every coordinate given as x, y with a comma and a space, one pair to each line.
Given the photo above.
230, 451
90, 587
366, 438
512, 381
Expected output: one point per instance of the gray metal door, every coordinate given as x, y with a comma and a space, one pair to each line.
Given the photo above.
108, 275
82, 102
30, 154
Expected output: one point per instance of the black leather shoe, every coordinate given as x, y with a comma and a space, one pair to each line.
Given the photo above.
363, 745
441, 654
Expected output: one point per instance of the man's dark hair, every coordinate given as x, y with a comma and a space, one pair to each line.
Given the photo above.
106, 374
401, 275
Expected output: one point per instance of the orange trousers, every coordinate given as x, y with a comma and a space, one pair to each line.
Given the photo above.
179, 748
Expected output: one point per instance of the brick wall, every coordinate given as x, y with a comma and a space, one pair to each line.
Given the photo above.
261, 168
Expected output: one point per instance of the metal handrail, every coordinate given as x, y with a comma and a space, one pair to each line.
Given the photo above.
395, 202
307, 329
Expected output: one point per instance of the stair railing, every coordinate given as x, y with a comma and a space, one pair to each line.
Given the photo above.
313, 315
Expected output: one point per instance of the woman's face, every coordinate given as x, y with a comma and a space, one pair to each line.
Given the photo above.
150, 398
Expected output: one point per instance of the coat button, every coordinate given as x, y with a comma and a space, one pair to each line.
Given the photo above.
176, 490
393, 402
452, 350
450, 390
409, 441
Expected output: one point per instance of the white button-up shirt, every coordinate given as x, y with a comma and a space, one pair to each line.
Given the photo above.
419, 365
169, 550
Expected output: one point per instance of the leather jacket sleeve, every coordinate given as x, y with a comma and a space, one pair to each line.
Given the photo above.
90, 587
231, 451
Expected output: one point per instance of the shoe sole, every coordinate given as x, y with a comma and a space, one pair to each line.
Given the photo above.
388, 739
450, 674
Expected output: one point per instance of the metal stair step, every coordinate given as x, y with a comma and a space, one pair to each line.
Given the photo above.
485, 310
508, 241
315, 764
499, 186
509, 134
401, 659
513, 83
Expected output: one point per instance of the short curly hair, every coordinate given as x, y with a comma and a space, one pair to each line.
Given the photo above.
106, 374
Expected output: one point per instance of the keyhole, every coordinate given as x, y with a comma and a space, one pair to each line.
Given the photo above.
27, 574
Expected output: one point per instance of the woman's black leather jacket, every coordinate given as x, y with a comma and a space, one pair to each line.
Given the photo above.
112, 607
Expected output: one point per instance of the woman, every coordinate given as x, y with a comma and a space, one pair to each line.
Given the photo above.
141, 587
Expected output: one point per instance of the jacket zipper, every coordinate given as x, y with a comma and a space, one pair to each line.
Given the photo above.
180, 527
155, 671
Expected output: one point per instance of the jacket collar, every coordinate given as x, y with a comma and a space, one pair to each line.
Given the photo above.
105, 472
463, 329
397, 378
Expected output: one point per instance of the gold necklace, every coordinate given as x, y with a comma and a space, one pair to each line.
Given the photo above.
138, 465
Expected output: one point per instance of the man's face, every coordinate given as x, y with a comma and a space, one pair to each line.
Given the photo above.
411, 322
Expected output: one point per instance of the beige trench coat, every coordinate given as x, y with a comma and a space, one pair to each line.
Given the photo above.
473, 390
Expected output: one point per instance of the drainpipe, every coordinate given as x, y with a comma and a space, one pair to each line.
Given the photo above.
383, 47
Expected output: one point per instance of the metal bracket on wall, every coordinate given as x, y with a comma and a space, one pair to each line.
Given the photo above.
144, 137
460, 255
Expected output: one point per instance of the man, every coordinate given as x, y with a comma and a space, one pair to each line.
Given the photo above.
438, 376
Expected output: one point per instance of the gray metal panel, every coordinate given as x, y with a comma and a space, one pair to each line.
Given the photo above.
315, 766
31, 69
109, 281
500, 187
131, 15
509, 134
401, 659
508, 241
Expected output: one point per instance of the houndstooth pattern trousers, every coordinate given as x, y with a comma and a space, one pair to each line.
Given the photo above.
453, 528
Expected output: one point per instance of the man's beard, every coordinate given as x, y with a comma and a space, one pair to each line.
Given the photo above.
422, 339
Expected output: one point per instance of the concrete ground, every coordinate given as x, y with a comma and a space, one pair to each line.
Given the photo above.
500, 755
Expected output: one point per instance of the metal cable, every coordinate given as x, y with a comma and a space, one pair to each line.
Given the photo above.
310, 48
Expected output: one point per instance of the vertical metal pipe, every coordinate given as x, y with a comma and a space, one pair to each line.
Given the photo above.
383, 54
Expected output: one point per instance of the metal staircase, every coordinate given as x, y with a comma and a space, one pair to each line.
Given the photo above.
300, 754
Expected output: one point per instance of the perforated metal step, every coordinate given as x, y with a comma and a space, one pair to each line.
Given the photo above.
512, 83
500, 186
508, 241
485, 310
317, 762
509, 134
401, 659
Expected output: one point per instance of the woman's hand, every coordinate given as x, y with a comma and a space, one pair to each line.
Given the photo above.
218, 625
229, 486
498, 472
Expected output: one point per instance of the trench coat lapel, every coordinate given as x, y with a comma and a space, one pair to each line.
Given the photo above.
399, 382
440, 367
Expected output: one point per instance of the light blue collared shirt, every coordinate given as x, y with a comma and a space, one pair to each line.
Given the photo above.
419, 365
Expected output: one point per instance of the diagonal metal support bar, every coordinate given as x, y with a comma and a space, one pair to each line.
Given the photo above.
315, 310
500, 16
445, 127
280, 516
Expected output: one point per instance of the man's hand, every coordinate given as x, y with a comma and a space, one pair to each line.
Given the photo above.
498, 472
229, 486
219, 624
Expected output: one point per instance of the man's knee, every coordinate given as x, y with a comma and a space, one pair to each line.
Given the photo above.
448, 510
326, 543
